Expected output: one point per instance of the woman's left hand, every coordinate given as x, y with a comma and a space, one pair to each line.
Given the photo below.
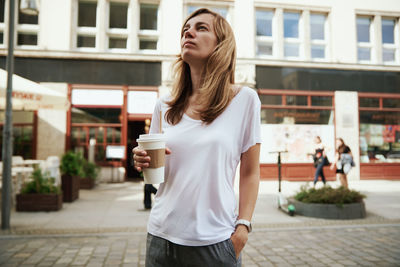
239, 239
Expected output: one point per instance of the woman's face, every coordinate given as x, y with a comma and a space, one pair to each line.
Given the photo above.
198, 39
338, 143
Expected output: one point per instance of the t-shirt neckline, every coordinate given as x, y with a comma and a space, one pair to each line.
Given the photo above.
200, 121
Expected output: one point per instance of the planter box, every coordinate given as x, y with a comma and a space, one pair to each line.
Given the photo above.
330, 211
87, 183
39, 202
70, 186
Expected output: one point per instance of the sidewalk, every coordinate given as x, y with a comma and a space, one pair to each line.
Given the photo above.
119, 208
107, 227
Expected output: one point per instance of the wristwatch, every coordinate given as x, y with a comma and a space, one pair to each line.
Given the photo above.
245, 223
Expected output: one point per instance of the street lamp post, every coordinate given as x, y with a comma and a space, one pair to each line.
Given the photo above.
7, 131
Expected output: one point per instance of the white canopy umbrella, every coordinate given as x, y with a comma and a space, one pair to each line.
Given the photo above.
29, 95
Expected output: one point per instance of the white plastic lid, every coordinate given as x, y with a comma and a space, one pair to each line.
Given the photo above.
151, 137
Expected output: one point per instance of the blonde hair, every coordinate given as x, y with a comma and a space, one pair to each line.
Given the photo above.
218, 75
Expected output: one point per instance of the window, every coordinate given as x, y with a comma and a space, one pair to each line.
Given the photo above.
96, 115
264, 39
291, 34
108, 27
223, 11
27, 29
291, 120
379, 128
23, 133
388, 40
364, 39
317, 35
148, 36
117, 33
86, 31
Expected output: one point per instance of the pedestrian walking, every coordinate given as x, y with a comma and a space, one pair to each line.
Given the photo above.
343, 161
148, 190
210, 125
320, 160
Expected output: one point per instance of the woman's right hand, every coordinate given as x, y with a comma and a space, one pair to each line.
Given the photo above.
141, 159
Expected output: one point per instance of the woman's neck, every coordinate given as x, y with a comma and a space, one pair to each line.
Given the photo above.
196, 77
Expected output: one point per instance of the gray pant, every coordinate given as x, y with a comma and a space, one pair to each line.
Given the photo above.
162, 253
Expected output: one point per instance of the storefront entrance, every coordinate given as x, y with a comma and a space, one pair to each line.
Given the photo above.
135, 128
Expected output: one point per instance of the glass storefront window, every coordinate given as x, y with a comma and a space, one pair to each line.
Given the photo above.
379, 136
321, 101
369, 102
391, 102
296, 116
103, 135
23, 125
271, 99
296, 100
95, 115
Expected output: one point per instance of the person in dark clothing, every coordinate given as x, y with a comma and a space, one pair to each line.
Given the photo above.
319, 160
148, 190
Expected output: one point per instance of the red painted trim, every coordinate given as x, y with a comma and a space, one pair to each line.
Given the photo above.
380, 109
296, 107
378, 95
293, 172
96, 125
293, 92
142, 88
384, 170
96, 86
139, 117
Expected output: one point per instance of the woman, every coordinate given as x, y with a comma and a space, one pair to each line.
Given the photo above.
342, 159
319, 160
211, 125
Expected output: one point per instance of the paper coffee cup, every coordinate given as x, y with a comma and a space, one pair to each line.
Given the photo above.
154, 144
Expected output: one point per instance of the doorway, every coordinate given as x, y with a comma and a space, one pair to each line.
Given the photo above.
135, 128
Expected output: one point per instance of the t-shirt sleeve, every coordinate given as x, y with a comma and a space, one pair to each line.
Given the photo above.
252, 132
155, 119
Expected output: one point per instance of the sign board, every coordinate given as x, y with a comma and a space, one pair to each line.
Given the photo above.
115, 152
141, 102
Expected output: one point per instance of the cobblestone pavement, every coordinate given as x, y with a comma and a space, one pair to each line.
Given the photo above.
343, 245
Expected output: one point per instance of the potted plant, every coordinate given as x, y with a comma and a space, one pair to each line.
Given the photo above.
40, 194
329, 203
71, 170
89, 174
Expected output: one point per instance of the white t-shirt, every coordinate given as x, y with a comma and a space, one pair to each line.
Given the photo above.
196, 204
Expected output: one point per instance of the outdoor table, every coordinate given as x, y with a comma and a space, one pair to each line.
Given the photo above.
32, 162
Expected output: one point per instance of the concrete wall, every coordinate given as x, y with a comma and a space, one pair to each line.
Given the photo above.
52, 125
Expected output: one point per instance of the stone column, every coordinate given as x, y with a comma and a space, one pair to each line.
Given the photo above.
347, 126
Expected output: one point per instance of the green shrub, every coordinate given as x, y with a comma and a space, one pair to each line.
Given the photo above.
71, 164
329, 195
42, 183
90, 169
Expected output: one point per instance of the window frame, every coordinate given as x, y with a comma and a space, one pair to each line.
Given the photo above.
32, 29
325, 42
395, 45
370, 44
375, 109
262, 39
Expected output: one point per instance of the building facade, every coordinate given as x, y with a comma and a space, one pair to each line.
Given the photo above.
328, 68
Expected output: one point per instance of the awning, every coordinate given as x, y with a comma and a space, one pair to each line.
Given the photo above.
29, 95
